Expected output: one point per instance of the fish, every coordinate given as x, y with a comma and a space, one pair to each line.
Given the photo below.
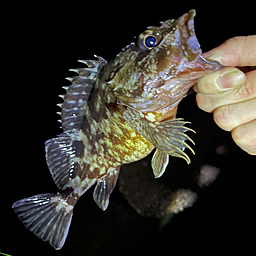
116, 113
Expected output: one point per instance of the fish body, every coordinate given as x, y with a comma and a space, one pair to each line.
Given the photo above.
116, 113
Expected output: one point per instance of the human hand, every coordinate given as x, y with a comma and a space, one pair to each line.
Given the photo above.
229, 93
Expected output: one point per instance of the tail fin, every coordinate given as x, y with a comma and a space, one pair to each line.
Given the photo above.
48, 216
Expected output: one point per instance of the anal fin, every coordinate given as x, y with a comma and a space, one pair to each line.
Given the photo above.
104, 188
48, 216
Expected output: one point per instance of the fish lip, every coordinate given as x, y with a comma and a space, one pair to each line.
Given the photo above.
180, 34
212, 63
218, 65
189, 19
187, 30
182, 20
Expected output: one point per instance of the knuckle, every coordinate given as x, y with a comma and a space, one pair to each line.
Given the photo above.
247, 90
223, 117
234, 49
207, 84
203, 102
202, 82
234, 40
245, 137
238, 136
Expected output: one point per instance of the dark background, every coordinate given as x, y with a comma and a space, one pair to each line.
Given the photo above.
41, 43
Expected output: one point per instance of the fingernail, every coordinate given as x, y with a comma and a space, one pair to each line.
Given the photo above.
216, 55
231, 78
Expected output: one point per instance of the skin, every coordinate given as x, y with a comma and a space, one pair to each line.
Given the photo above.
229, 93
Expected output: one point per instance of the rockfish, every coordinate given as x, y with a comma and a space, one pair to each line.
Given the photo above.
115, 113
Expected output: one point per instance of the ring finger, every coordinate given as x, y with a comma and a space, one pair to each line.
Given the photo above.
230, 116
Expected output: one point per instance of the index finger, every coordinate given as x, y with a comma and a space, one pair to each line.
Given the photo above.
236, 51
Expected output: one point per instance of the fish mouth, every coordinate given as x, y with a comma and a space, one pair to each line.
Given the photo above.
187, 20
188, 40
185, 37
177, 65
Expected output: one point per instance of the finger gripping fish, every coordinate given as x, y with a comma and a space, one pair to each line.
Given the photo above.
116, 113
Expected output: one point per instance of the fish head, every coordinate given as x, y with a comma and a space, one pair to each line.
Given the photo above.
157, 72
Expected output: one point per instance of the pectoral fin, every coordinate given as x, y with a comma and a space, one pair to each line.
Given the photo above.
172, 138
168, 136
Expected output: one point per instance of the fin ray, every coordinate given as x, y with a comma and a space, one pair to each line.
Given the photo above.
48, 216
60, 156
159, 163
75, 100
104, 188
168, 136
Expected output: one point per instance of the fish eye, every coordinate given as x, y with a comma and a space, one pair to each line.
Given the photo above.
148, 39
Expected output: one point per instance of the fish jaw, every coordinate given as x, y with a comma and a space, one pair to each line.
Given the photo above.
173, 91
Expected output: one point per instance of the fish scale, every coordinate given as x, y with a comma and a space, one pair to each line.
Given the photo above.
116, 113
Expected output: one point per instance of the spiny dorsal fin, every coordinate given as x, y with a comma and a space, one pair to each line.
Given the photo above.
168, 136
75, 100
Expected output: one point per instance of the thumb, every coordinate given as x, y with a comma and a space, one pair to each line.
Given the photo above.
236, 51
224, 79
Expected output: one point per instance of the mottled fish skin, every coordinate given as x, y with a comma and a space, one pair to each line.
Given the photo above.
116, 113
157, 82
106, 139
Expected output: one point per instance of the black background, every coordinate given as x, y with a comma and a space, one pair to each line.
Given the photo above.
41, 42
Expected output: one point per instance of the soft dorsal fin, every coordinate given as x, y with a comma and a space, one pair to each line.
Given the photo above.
75, 100
60, 155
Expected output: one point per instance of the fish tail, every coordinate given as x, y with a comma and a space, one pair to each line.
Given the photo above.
48, 216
